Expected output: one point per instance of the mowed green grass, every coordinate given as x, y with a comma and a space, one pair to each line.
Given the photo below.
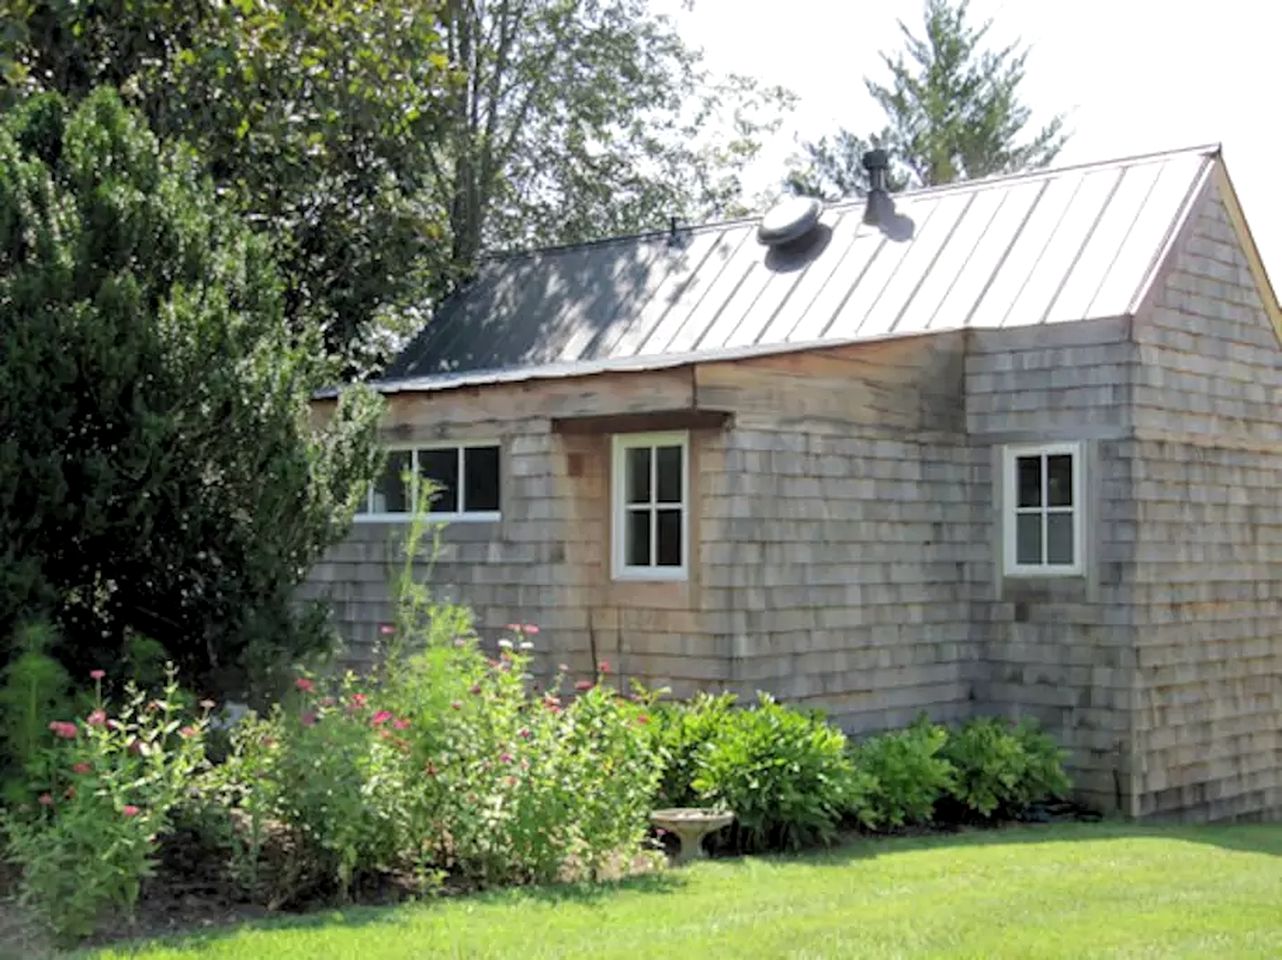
1080, 890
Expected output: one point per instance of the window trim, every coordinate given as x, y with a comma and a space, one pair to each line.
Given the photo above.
1010, 510
456, 516
621, 443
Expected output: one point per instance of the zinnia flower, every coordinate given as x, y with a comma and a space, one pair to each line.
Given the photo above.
476, 688
97, 674
530, 629
642, 719
46, 800
81, 767
129, 810
308, 719
524, 733
188, 732
505, 758
603, 666
525, 645
381, 718
386, 629
305, 685
505, 643
97, 719
63, 729
582, 685
358, 700
455, 705
400, 723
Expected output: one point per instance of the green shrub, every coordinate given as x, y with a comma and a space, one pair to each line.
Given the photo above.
784, 773
34, 689
110, 785
1001, 768
681, 734
910, 774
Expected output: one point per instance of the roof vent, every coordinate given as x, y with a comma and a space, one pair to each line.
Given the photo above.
789, 220
877, 163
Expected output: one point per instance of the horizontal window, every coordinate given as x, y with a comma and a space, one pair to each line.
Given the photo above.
461, 482
1042, 516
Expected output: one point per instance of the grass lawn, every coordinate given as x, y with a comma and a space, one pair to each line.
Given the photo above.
1079, 890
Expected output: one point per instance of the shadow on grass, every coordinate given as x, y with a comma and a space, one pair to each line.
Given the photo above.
664, 883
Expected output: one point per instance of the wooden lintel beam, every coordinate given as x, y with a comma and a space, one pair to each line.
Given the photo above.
645, 422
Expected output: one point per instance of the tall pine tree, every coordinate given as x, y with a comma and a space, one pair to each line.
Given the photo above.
952, 110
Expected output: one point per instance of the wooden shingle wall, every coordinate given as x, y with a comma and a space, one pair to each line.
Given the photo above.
1059, 649
1207, 579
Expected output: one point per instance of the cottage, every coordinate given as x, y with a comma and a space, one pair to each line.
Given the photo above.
1009, 446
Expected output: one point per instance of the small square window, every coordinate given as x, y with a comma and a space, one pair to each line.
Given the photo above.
1042, 517
651, 507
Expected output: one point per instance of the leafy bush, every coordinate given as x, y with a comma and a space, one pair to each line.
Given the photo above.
909, 771
784, 773
34, 689
110, 785
1001, 768
681, 734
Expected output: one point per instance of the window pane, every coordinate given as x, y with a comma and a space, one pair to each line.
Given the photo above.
1028, 473
390, 494
669, 546
636, 545
481, 478
638, 475
440, 467
669, 468
1059, 538
1059, 480
1028, 538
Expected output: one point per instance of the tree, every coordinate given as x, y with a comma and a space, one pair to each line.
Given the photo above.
159, 470
318, 116
386, 144
953, 113
578, 120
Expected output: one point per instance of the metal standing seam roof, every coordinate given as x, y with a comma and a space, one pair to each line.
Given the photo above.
1054, 246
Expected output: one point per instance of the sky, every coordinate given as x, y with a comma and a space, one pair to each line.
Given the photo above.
1131, 76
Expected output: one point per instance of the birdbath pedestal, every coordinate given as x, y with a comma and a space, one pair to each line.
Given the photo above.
691, 825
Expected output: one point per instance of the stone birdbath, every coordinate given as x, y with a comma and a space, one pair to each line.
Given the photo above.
691, 825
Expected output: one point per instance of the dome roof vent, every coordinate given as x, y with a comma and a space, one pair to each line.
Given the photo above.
788, 221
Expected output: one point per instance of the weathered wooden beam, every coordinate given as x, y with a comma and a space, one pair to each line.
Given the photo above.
650, 420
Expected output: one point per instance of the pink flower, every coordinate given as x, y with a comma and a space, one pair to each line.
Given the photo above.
524, 733
97, 674
642, 719
97, 719
603, 666
582, 685
305, 685
81, 767
357, 701
381, 718
400, 723
129, 810
554, 708
46, 800
513, 628
455, 705
386, 629
308, 719
475, 689
530, 629
505, 758
188, 732
63, 729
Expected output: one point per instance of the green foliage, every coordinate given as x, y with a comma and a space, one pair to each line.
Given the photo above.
784, 773
682, 734
953, 113
1001, 768
107, 786
34, 689
909, 771
159, 472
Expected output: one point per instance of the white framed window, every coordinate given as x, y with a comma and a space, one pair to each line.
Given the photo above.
651, 506
1043, 509
465, 476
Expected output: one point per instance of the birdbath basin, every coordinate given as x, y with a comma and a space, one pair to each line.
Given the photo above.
691, 825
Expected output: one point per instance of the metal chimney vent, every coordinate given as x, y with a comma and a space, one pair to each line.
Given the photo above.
877, 163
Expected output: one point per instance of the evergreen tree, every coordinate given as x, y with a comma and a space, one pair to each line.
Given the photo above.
160, 473
953, 113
